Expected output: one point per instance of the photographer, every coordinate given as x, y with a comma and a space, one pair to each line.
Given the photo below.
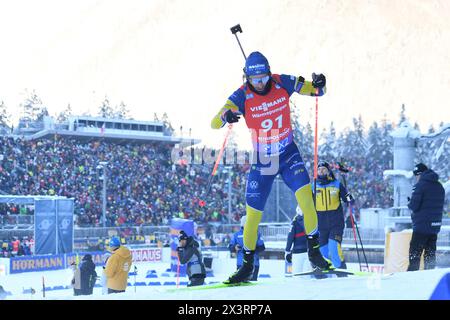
188, 252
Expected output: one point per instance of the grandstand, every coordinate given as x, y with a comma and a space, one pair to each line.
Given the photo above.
88, 128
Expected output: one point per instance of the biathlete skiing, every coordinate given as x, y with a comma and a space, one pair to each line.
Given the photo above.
263, 101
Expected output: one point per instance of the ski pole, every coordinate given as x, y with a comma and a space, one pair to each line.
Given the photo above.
135, 271
178, 272
235, 30
342, 169
354, 224
315, 145
354, 235
359, 236
219, 157
43, 287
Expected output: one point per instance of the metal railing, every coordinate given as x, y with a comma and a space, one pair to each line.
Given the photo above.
16, 221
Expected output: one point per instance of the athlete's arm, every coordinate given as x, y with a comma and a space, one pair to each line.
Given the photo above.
300, 85
234, 103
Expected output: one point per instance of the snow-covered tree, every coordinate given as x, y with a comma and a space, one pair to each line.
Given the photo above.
33, 109
65, 114
4, 115
106, 111
122, 112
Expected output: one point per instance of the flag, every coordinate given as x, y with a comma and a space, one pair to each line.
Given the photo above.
102, 129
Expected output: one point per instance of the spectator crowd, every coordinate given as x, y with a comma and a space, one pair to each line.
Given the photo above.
144, 186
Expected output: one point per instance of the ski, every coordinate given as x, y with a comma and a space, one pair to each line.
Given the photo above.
323, 273
215, 286
319, 274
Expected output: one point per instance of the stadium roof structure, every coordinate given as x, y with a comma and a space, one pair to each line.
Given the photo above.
26, 199
88, 128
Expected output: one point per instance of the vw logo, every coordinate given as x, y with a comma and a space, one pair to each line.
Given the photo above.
253, 184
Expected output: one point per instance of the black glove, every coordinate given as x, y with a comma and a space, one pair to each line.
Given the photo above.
231, 117
288, 256
349, 198
318, 80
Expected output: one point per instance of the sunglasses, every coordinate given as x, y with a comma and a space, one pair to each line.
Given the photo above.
256, 81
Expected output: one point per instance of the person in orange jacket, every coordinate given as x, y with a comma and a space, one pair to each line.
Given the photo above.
117, 267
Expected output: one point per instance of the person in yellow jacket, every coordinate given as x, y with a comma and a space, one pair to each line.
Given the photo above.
117, 267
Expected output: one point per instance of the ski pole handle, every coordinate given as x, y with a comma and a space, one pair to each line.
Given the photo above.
234, 30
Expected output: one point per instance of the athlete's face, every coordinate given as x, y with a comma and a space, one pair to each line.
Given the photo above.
322, 171
259, 82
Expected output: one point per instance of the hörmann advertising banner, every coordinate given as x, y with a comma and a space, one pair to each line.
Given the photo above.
37, 263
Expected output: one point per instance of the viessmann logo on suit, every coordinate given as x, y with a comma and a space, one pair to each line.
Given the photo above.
266, 105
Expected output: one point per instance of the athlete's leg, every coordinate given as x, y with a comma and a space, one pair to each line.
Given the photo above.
324, 251
335, 250
334, 245
324, 234
257, 192
296, 177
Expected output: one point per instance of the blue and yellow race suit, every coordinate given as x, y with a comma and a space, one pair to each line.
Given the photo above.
268, 118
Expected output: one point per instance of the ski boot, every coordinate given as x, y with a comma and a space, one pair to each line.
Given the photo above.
196, 282
314, 255
245, 272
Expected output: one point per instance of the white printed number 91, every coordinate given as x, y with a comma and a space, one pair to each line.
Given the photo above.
268, 123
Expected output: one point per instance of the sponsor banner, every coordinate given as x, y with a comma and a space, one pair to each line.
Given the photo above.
36, 263
97, 258
64, 212
45, 231
377, 268
147, 255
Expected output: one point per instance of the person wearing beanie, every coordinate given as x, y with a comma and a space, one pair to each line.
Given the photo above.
331, 218
189, 252
427, 206
263, 101
117, 266
88, 275
237, 246
296, 246
76, 279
